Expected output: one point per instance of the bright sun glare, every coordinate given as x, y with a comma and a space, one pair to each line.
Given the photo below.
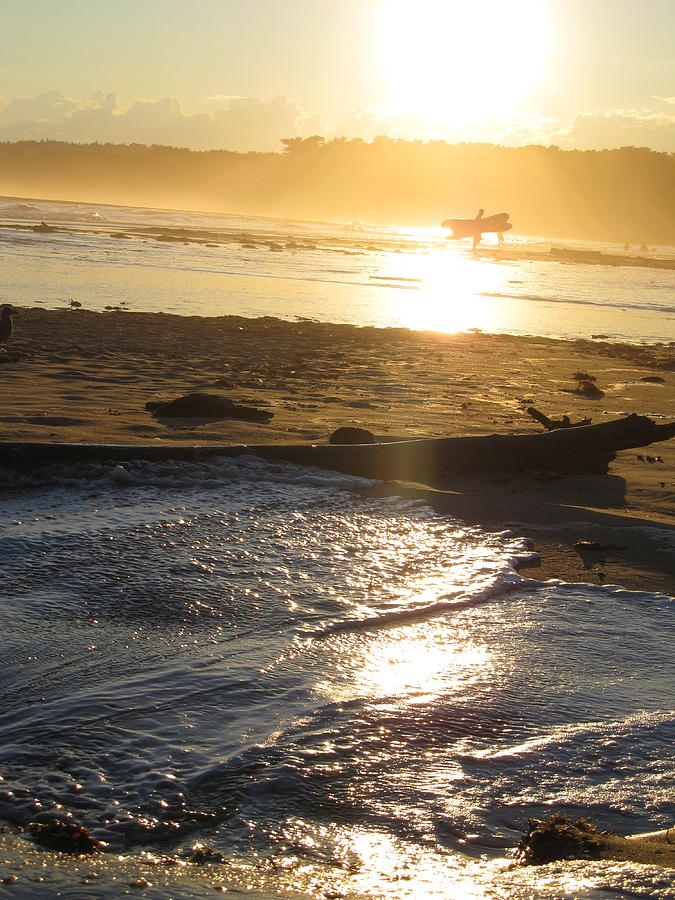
459, 62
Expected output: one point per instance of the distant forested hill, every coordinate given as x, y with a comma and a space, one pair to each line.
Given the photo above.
620, 195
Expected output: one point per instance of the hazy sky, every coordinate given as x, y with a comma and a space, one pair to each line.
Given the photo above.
242, 74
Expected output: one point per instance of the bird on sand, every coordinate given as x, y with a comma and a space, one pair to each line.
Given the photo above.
6, 324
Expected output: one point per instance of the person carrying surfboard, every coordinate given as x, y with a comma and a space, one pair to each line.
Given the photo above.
478, 226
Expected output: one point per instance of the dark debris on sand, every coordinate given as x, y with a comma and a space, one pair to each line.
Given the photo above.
202, 854
66, 837
583, 546
559, 838
587, 386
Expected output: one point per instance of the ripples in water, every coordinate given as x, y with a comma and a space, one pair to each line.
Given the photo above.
313, 682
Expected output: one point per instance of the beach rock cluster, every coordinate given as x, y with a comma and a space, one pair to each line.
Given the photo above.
206, 406
349, 434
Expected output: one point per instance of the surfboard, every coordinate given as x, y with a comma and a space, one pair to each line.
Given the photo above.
469, 227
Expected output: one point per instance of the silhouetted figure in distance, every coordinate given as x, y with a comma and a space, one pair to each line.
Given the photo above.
478, 234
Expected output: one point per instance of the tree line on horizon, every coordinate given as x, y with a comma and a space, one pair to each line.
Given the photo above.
625, 194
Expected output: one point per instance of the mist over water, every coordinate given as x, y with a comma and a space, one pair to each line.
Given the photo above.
202, 264
337, 693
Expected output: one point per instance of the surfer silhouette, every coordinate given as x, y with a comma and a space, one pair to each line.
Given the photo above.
478, 226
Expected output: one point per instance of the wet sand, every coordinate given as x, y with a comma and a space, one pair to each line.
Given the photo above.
83, 376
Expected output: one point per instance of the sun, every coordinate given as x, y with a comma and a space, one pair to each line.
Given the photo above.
461, 62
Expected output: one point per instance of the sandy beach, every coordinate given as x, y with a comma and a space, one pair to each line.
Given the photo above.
74, 375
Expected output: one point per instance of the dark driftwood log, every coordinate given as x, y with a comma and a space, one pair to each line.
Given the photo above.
586, 448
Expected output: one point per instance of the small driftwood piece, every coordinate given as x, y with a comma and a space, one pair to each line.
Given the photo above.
552, 424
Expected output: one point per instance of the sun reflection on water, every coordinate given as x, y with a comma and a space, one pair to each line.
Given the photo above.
417, 665
448, 288
411, 664
373, 863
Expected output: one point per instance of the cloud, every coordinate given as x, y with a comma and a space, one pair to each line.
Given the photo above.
32, 110
376, 120
267, 121
619, 128
516, 131
253, 123
238, 123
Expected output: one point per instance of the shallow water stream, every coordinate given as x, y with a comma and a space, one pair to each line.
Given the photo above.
338, 694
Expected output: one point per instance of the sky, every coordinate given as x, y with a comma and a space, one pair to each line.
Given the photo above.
243, 74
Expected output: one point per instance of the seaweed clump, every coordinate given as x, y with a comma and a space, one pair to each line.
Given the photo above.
559, 838
66, 837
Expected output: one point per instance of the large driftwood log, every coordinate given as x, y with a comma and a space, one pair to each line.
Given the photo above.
587, 448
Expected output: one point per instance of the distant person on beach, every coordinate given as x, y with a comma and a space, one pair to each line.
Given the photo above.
478, 234
626, 247
644, 248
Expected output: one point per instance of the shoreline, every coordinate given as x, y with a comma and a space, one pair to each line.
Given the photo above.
223, 215
548, 250
181, 872
79, 376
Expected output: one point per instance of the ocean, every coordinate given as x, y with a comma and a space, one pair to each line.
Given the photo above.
203, 264
335, 695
